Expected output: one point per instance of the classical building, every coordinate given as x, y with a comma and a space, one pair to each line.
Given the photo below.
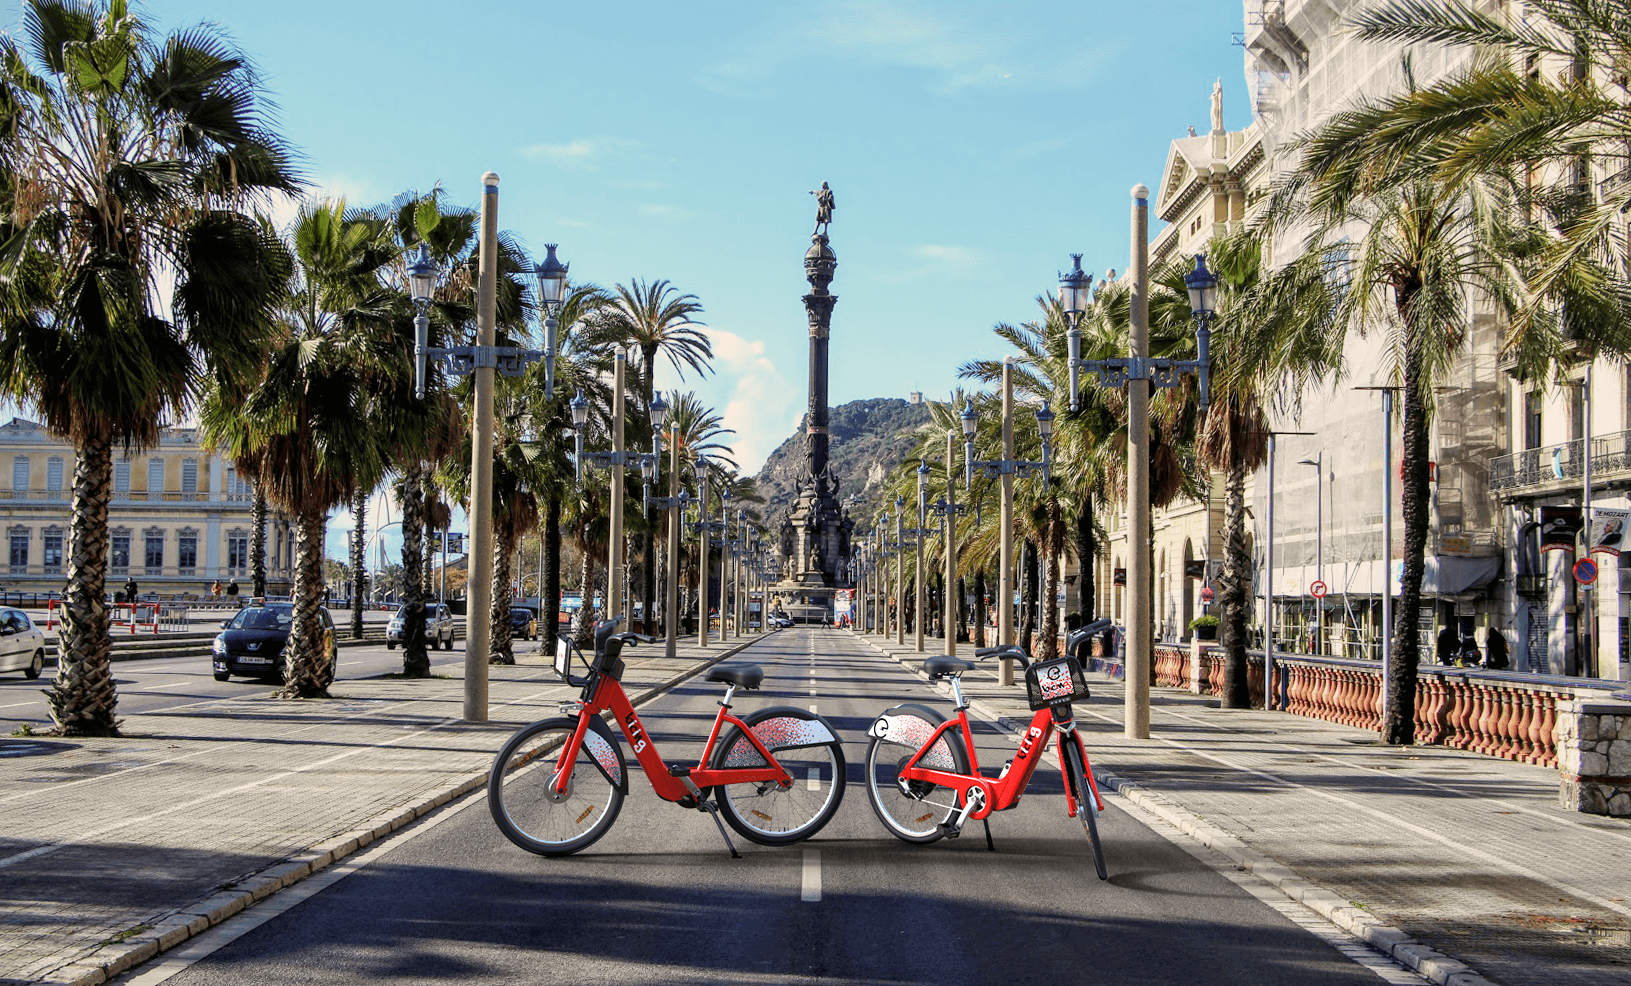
180, 517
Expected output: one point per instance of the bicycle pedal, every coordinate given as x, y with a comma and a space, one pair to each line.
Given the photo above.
950, 831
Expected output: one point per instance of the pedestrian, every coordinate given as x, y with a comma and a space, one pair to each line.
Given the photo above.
1449, 642
1470, 656
130, 589
232, 587
1495, 649
215, 589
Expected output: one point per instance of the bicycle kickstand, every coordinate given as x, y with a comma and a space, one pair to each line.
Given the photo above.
709, 807
989, 845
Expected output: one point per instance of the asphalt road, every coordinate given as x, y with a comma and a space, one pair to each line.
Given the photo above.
163, 683
658, 900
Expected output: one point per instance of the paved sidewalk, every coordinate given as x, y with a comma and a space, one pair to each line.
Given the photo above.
1459, 865
117, 849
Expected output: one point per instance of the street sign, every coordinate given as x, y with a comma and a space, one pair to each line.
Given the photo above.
1318, 590
1585, 571
1206, 593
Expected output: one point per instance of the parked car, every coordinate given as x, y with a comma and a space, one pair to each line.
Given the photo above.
22, 645
523, 623
780, 620
438, 627
252, 642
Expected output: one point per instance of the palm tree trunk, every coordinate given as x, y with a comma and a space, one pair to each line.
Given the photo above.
583, 624
82, 696
304, 660
1053, 545
1399, 721
979, 607
257, 545
550, 605
500, 651
1027, 599
1232, 598
359, 563
415, 658
1086, 555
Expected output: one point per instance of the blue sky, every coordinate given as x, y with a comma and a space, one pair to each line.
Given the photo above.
971, 147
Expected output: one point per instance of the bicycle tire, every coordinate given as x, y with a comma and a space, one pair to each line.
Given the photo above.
1085, 809
911, 814
528, 813
764, 812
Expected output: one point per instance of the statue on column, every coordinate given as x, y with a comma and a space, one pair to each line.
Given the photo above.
824, 207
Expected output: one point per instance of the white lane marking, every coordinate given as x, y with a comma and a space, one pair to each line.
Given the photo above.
173, 684
21, 704
811, 891
814, 781
813, 709
347, 664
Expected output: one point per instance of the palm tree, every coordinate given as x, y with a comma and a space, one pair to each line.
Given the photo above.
655, 317
303, 431
129, 161
698, 430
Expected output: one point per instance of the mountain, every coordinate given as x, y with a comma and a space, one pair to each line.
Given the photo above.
867, 439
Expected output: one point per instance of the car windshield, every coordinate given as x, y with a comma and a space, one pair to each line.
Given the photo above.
262, 618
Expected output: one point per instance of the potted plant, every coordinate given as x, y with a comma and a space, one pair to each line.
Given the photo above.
1204, 627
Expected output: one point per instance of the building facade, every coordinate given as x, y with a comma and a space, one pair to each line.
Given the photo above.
181, 517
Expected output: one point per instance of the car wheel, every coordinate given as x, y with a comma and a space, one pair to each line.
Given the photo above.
222, 675
34, 666
390, 645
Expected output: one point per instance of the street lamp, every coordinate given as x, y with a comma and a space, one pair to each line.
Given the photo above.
947, 508
617, 461
1006, 469
551, 275
900, 571
705, 529
1318, 462
1120, 372
921, 536
674, 504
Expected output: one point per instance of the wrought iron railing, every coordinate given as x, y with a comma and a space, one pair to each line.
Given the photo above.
1537, 467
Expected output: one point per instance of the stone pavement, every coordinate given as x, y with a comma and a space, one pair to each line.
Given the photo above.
116, 849
1463, 867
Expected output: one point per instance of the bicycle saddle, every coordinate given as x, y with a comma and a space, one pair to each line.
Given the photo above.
940, 667
745, 676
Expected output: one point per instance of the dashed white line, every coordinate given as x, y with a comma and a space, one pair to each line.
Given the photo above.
813, 708
811, 891
814, 780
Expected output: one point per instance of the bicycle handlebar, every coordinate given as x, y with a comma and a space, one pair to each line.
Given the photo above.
985, 652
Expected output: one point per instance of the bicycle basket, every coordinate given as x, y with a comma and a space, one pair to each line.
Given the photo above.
1054, 683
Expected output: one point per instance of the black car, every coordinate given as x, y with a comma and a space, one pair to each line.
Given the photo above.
523, 623
252, 642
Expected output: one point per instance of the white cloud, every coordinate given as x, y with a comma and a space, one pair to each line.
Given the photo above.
932, 258
582, 153
750, 395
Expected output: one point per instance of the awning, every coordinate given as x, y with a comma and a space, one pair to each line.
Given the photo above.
1451, 575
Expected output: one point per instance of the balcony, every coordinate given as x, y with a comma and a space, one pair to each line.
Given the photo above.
1561, 468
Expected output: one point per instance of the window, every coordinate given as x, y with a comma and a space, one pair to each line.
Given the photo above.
121, 476
119, 551
1577, 410
52, 556
153, 551
19, 550
238, 552
1532, 404
189, 478
237, 487
155, 478
186, 551
53, 473
19, 473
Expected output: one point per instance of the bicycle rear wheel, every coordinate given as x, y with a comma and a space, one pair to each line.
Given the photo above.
530, 812
911, 810
1085, 807
765, 812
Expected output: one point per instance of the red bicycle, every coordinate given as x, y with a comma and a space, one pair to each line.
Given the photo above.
923, 773
557, 784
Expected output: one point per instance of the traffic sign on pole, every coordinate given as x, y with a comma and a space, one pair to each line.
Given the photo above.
1318, 590
1206, 593
1585, 571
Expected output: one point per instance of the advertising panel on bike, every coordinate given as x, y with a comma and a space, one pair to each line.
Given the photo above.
563, 658
1054, 683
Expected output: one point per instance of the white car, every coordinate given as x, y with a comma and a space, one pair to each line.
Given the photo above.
438, 627
22, 645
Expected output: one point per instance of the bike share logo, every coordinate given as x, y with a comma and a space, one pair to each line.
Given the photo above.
637, 737
1055, 682
1029, 741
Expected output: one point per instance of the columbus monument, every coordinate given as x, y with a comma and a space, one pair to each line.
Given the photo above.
815, 534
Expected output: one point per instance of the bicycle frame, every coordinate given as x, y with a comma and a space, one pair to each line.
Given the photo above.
1004, 792
606, 693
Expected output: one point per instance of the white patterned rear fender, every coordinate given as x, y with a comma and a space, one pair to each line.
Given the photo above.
913, 731
778, 733
605, 754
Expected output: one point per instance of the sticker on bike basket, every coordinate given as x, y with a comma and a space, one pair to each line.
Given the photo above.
605, 755
780, 733
914, 731
1055, 682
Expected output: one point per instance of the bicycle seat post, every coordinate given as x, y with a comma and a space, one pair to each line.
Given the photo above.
730, 690
957, 691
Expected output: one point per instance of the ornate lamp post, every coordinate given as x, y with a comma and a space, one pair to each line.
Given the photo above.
674, 504
947, 508
1138, 366
1006, 469
705, 529
617, 461
920, 537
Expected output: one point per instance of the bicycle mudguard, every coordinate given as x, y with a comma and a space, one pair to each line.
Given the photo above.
602, 746
780, 727
910, 725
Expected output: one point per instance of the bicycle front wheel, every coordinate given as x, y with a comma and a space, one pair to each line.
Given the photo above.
1085, 808
527, 808
764, 811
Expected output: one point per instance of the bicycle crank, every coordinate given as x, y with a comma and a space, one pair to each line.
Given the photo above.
973, 798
